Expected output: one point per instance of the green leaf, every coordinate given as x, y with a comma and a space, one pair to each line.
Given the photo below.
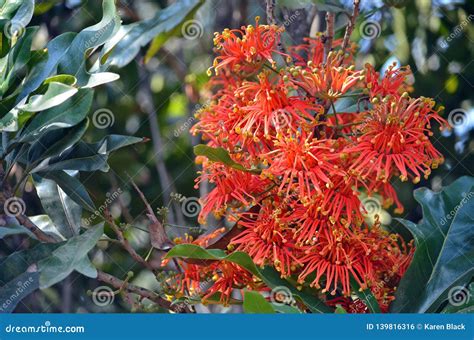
137, 35
444, 241
255, 303
220, 155
285, 309
87, 157
464, 303
269, 275
70, 113
55, 142
56, 48
68, 257
72, 187
56, 94
73, 61
64, 212
366, 296
340, 310
23, 15
19, 261
16, 290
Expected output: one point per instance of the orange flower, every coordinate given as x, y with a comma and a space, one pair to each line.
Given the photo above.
245, 50
299, 211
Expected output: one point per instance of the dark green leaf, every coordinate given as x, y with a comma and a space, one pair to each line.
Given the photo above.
16, 290
366, 296
68, 257
18, 262
444, 242
72, 187
71, 112
64, 212
88, 157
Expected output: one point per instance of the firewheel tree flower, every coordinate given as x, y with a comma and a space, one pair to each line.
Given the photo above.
299, 210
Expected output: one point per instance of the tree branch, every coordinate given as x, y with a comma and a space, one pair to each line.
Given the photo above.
143, 292
330, 17
351, 25
124, 242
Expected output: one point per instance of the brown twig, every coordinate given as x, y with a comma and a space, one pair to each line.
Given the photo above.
143, 292
35, 230
351, 25
158, 237
124, 242
271, 20
270, 9
330, 17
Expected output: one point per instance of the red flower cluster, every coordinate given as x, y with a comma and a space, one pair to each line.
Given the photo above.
311, 136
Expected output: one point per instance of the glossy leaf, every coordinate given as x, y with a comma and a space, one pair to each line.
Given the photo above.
255, 303
64, 212
444, 241
137, 35
72, 187
70, 113
56, 94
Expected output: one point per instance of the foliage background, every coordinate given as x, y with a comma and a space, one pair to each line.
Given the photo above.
173, 79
